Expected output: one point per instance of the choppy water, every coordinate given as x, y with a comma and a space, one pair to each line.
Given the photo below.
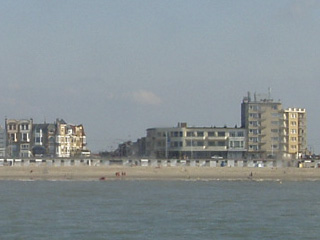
159, 210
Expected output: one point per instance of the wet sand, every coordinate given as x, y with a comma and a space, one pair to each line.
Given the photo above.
84, 173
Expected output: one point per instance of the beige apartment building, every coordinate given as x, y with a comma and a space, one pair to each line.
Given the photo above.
294, 132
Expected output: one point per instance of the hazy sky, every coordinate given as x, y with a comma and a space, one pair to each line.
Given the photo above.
120, 67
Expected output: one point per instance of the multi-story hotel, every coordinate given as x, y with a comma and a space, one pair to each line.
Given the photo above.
183, 142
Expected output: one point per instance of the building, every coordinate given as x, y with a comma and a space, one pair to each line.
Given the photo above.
2, 142
183, 142
25, 139
44, 139
272, 132
18, 140
261, 117
70, 139
294, 132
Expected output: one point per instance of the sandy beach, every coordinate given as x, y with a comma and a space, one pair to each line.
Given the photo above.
84, 173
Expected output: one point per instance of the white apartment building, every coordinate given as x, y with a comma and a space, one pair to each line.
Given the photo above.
183, 142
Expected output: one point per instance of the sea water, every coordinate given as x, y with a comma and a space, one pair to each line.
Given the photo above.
159, 210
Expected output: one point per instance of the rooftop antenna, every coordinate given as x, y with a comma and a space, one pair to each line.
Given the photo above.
269, 93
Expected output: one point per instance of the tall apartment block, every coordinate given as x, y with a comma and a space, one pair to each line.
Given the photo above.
272, 132
294, 132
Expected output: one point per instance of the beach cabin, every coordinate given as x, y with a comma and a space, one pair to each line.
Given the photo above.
18, 162
251, 163
202, 163
164, 163
193, 163
144, 162
57, 162
154, 163
259, 164
173, 162
183, 163
230, 163
279, 163
213, 163
239, 163
268, 164
126, 162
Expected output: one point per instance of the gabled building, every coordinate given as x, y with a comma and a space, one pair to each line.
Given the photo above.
24, 139
44, 139
70, 139
18, 138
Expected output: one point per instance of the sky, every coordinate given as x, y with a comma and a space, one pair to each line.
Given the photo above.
121, 67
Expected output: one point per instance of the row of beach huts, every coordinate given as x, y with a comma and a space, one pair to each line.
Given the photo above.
159, 163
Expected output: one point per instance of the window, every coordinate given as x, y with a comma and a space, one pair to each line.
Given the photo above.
293, 139
275, 122
254, 139
221, 134
12, 127
199, 143
212, 143
253, 147
24, 137
221, 143
190, 134
13, 137
293, 123
275, 130
211, 134
241, 134
293, 131
255, 115
254, 123
24, 146
232, 134
200, 134
255, 107
252, 131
